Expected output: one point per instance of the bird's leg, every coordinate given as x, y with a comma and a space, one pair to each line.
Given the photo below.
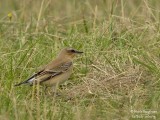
54, 91
55, 88
45, 90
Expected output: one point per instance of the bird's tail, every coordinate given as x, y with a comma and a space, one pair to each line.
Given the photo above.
24, 82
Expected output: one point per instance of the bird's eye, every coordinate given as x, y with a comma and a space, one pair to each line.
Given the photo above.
73, 51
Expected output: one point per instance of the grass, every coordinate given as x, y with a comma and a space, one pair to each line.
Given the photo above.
117, 77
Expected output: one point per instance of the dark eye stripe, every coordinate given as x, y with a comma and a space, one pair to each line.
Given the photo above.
73, 51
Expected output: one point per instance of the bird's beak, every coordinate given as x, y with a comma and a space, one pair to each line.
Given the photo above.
78, 52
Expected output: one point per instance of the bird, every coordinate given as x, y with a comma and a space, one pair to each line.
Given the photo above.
55, 72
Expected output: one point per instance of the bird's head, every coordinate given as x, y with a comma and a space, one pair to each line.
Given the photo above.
69, 53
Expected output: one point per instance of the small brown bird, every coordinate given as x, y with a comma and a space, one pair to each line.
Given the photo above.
55, 72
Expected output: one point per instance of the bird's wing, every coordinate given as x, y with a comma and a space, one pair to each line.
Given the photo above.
62, 67
56, 71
